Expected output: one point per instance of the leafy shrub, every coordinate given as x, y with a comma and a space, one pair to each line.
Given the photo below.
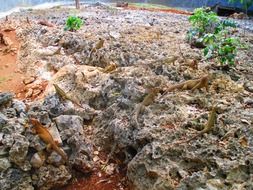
73, 23
213, 35
224, 49
202, 21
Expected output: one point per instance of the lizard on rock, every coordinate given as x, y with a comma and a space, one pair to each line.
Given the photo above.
44, 134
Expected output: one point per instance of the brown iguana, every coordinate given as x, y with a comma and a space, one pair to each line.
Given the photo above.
99, 45
109, 68
192, 63
44, 134
191, 84
64, 96
149, 99
208, 127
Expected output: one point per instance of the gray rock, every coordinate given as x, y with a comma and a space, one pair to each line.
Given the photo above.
10, 112
248, 86
55, 159
5, 97
37, 160
47, 177
19, 106
8, 140
82, 153
3, 120
19, 150
13, 126
4, 164
15, 179
53, 105
68, 125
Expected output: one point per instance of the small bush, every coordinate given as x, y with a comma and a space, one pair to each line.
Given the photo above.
73, 23
211, 33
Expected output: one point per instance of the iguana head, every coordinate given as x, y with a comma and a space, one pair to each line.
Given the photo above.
34, 121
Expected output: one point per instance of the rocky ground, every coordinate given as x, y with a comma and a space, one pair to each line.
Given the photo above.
110, 84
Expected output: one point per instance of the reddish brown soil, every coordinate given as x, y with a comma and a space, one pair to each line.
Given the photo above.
10, 76
99, 180
169, 10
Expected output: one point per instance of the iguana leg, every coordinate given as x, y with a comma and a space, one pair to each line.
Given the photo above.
185, 87
49, 147
197, 86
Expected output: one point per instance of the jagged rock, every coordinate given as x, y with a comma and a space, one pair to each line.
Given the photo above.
10, 112
82, 153
49, 176
19, 150
15, 179
37, 160
19, 106
3, 120
4, 164
13, 127
5, 97
68, 125
55, 159
54, 106
248, 86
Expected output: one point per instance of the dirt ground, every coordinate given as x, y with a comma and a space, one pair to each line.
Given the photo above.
10, 76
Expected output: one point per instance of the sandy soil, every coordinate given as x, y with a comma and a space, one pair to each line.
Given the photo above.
10, 76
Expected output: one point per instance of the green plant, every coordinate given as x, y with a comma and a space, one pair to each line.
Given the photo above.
224, 49
202, 21
210, 32
73, 23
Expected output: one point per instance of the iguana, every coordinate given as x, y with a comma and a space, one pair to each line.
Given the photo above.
149, 99
99, 45
64, 96
44, 134
192, 63
208, 127
109, 68
191, 84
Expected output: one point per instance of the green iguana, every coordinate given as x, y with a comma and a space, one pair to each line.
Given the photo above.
64, 96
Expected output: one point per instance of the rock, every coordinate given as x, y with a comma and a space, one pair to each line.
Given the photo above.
55, 159
13, 127
3, 120
4, 164
19, 106
15, 179
10, 112
5, 97
121, 4
68, 125
47, 177
53, 105
115, 35
29, 80
55, 133
82, 151
37, 160
29, 93
248, 86
19, 150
